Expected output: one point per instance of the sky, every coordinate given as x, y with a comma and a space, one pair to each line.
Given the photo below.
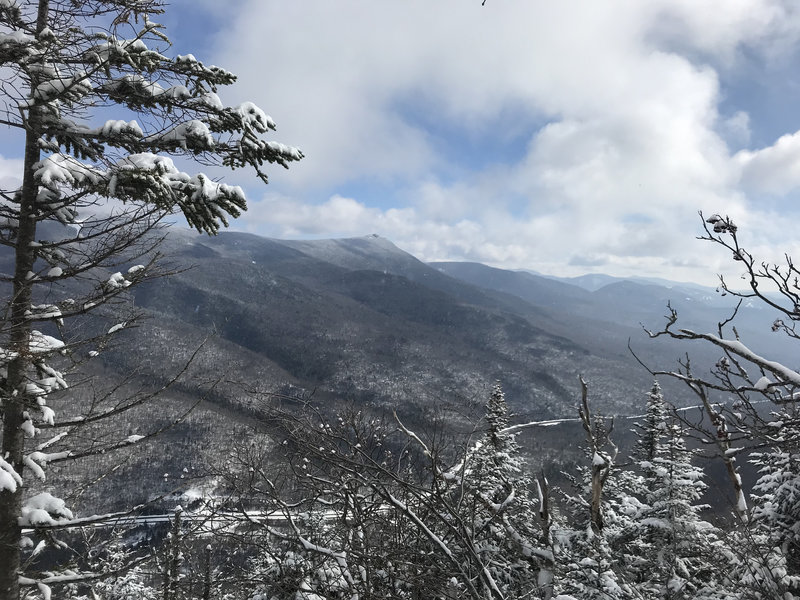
564, 137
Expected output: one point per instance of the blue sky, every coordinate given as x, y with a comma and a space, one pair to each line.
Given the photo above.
566, 137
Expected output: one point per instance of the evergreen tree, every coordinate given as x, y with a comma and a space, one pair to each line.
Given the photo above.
652, 429
93, 189
671, 551
772, 564
501, 511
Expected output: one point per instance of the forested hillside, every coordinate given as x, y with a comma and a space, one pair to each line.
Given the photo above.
360, 320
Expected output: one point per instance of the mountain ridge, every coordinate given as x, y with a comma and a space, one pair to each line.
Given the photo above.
360, 320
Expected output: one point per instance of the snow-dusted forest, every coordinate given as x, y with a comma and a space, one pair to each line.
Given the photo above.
311, 501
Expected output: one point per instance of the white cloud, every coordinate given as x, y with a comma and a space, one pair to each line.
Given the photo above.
549, 135
400, 106
10, 174
737, 128
772, 170
720, 28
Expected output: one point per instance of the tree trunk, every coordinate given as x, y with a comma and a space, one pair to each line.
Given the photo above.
14, 397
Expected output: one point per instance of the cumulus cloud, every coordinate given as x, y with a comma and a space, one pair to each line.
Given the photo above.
559, 136
772, 170
610, 112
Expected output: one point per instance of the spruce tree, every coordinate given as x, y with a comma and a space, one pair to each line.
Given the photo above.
501, 512
103, 111
672, 551
772, 564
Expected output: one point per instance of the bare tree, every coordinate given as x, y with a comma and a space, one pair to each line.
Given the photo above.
749, 406
386, 511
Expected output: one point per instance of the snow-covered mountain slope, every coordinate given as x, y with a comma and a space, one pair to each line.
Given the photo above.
361, 320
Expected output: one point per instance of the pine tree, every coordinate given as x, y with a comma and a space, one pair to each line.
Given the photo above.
501, 512
93, 190
653, 427
773, 564
672, 552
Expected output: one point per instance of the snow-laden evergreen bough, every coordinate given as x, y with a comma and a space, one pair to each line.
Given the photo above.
109, 121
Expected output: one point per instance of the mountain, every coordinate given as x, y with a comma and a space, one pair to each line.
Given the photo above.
641, 302
359, 320
594, 281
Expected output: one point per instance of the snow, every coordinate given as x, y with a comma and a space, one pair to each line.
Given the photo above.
37, 461
177, 92
9, 478
116, 328
117, 128
44, 589
44, 509
192, 134
202, 200
60, 169
57, 88
55, 272
116, 282
45, 311
539, 493
132, 439
27, 428
741, 503
285, 150
762, 383
15, 37
210, 100
41, 343
134, 83
48, 415
254, 118
54, 379
34, 467
738, 348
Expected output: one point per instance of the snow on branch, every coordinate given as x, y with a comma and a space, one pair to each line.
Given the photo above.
413, 436
44, 509
204, 202
789, 376
9, 478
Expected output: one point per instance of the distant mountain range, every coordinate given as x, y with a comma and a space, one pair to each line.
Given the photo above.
360, 321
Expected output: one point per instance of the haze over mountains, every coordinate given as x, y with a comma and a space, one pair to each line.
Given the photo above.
359, 320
